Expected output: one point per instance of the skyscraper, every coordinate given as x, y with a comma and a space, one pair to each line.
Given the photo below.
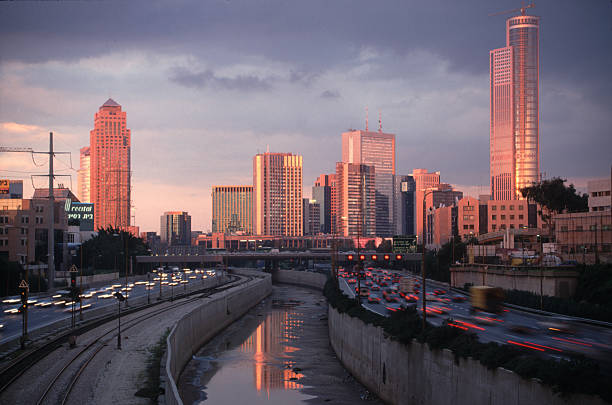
232, 209
83, 175
404, 190
423, 180
375, 149
356, 192
321, 192
514, 132
277, 194
175, 228
109, 143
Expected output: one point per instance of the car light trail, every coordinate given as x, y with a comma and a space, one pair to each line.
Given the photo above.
524, 345
572, 341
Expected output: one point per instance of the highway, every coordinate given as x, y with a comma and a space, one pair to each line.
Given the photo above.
558, 337
46, 310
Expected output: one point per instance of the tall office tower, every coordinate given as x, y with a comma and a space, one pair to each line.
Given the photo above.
423, 181
356, 208
514, 133
175, 228
375, 149
232, 209
277, 194
110, 174
83, 175
321, 192
311, 215
403, 197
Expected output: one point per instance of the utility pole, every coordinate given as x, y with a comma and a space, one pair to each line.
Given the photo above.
51, 175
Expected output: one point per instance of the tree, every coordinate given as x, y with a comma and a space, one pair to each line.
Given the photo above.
106, 250
386, 246
556, 198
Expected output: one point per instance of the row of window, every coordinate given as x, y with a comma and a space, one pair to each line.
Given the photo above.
600, 193
502, 217
580, 228
503, 207
503, 226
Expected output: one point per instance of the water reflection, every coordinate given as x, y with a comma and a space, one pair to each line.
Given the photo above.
253, 361
271, 340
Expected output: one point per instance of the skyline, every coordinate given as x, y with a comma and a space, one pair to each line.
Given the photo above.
290, 94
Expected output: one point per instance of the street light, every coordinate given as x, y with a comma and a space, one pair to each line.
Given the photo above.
423, 286
120, 298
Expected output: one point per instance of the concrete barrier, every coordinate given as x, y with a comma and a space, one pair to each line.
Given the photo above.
301, 278
200, 325
414, 374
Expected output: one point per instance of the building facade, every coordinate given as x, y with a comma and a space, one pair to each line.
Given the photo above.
110, 173
83, 175
356, 208
514, 102
375, 149
311, 216
404, 191
322, 193
175, 228
277, 194
232, 209
600, 198
423, 180
11, 189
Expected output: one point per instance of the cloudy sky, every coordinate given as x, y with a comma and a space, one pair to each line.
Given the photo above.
208, 84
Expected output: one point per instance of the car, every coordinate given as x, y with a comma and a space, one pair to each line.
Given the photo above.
375, 288
458, 298
373, 300
439, 292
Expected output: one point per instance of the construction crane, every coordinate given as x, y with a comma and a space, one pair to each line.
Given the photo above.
523, 10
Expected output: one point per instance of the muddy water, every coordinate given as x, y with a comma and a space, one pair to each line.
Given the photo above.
278, 353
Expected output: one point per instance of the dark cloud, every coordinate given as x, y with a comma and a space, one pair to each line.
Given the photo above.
330, 94
208, 78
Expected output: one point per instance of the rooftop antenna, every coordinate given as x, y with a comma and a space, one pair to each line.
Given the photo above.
366, 119
379, 121
267, 148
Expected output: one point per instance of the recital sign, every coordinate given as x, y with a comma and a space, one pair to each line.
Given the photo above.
81, 214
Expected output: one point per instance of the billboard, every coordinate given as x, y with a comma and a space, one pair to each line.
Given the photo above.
4, 186
404, 244
81, 214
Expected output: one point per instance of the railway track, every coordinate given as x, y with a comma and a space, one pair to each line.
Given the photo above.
14, 371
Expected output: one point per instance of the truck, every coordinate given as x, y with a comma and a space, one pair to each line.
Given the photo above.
406, 285
487, 298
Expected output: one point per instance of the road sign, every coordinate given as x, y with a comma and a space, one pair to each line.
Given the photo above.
74, 269
23, 284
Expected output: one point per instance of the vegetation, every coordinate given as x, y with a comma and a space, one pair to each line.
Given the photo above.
106, 251
593, 298
151, 387
11, 274
438, 263
555, 197
386, 246
578, 375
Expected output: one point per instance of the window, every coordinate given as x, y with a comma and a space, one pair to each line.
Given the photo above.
511, 226
503, 207
511, 216
494, 217
521, 216
512, 208
471, 226
521, 207
494, 227
503, 217
465, 227
494, 208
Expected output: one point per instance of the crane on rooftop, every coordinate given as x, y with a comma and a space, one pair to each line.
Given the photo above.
523, 10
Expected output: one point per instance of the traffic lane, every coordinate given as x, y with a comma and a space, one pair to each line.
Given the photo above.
512, 327
39, 317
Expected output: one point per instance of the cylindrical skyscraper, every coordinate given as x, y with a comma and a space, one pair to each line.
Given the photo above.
514, 137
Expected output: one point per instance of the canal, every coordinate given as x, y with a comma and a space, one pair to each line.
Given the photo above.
278, 353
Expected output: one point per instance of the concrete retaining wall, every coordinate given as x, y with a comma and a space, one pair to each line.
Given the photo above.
414, 374
302, 278
87, 280
555, 282
200, 325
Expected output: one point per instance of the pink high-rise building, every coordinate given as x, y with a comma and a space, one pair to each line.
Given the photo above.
83, 175
375, 149
423, 181
356, 197
277, 194
514, 132
109, 143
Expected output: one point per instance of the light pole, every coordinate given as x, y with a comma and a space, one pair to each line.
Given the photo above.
423, 291
120, 298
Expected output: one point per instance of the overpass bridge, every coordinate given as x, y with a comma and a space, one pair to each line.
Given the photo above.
273, 259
